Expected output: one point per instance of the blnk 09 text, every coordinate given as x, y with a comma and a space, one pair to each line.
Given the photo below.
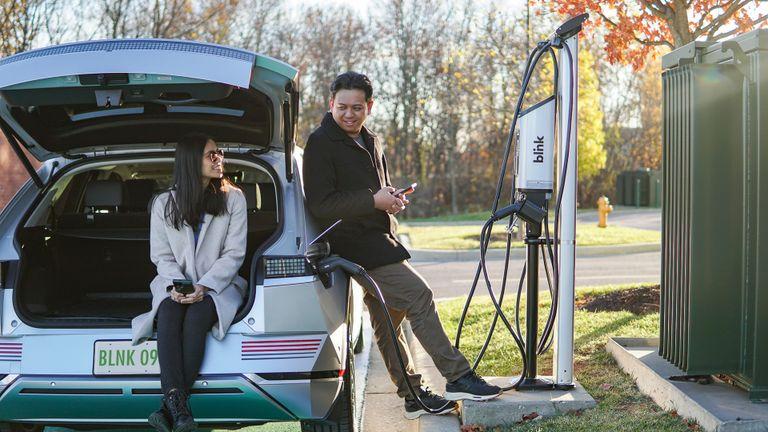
128, 357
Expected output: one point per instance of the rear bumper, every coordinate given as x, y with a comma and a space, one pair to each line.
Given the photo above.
216, 399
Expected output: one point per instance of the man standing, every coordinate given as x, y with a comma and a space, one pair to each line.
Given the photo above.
346, 177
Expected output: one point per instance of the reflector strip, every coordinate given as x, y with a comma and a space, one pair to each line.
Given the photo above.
10, 351
273, 349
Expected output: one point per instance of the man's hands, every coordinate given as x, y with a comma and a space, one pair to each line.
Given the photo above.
189, 298
384, 200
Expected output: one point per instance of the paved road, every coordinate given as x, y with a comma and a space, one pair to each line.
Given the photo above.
643, 218
453, 279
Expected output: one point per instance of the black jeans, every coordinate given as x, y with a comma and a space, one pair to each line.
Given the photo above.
181, 333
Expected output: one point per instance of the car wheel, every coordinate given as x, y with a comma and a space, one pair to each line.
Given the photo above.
360, 344
342, 417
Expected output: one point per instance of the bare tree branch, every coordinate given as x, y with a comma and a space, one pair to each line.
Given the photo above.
753, 24
718, 21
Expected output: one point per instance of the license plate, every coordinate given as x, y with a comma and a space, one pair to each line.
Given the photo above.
122, 358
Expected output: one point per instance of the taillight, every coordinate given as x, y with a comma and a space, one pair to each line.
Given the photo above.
286, 266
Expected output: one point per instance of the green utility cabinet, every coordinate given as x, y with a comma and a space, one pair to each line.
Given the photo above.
714, 297
638, 188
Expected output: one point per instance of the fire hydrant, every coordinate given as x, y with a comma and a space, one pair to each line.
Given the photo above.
603, 208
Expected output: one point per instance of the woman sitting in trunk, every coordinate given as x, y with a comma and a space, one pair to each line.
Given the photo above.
197, 232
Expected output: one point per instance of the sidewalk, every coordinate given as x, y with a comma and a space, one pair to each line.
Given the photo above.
383, 410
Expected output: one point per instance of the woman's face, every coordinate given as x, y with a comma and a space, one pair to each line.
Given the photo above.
213, 162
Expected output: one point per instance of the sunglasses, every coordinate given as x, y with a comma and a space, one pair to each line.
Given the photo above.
213, 155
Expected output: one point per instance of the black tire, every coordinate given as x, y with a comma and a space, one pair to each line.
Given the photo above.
343, 414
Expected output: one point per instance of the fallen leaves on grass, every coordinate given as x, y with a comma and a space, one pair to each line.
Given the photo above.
531, 416
472, 428
605, 386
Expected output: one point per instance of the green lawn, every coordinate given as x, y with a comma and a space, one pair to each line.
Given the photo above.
621, 406
453, 237
480, 216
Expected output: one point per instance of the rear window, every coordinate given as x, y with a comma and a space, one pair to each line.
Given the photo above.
129, 188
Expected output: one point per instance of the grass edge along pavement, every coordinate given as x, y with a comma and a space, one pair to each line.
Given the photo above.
620, 405
460, 237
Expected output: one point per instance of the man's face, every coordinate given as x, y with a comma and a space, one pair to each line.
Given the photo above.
350, 109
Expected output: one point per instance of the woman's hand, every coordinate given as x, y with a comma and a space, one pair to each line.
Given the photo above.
196, 296
176, 296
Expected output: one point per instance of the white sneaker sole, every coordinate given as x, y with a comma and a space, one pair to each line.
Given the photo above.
469, 396
416, 414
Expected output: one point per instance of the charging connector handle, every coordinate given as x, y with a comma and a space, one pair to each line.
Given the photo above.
330, 264
525, 209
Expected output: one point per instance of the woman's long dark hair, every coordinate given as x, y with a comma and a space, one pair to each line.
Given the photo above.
190, 200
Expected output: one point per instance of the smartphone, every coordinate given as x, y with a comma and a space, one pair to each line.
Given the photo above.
183, 286
407, 191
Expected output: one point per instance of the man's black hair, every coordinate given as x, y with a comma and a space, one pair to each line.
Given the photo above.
352, 81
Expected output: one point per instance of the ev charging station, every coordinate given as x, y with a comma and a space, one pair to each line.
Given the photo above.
544, 127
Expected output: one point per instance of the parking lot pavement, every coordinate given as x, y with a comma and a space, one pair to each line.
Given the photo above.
625, 216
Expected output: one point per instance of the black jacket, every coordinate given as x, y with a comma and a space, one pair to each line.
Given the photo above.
340, 178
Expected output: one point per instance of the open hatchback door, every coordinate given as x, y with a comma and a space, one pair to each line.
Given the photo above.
100, 97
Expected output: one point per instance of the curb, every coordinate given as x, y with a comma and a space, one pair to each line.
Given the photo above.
474, 254
433, 378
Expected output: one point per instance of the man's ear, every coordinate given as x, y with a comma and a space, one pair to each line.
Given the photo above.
370, 105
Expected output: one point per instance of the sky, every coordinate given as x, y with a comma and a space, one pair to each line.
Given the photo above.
362, 6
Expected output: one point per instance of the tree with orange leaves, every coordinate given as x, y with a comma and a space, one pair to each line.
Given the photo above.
635, 28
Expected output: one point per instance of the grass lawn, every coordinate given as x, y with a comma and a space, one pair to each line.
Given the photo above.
480, 216
468, 236
621, 406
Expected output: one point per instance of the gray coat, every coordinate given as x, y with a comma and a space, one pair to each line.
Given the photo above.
214, 263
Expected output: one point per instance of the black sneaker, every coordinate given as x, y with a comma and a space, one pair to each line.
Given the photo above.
431, 400
471, 386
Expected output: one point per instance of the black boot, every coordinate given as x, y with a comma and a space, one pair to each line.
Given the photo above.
160, 419
176, 402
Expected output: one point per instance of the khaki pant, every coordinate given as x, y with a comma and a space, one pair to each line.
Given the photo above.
408, 296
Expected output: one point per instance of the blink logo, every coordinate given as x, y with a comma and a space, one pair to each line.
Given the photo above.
538, 150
